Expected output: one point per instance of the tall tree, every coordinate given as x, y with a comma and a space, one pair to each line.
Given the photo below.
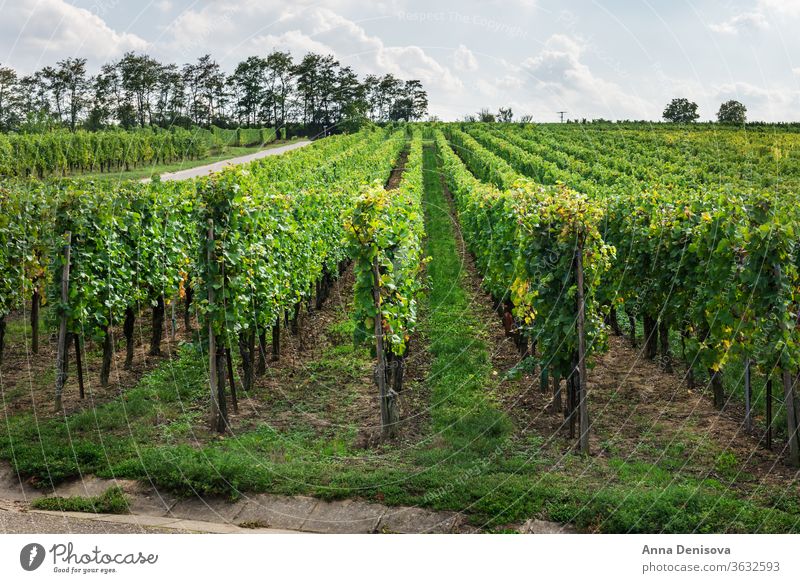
103, 104
280, 72
411, 103
414, 91
53, 80
170, 100
372, 92
139, 76
505, 115
307, 73
32, 100
73, 76
8, 94
247, 85
681, 110
389, 90
350, 99
205, 83
732, 112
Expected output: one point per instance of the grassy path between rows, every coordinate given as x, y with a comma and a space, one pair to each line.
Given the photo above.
462, 406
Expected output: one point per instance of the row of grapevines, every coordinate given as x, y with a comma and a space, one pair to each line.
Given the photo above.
387, 226
130, 248
245, 136
687, 257
525, 238
488, 168
26, 241
131, 245
61, 153
271, 245
718, 264
385, 231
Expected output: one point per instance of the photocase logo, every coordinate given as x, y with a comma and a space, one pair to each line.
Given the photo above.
31, 556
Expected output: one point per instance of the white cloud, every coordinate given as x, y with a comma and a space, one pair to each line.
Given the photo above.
36, 33
164, 5
748, 22
487, 88
558, 78
796, 71
759, 18
764, 102
769, 104
464, 60
790, 8
230, 30
293, 41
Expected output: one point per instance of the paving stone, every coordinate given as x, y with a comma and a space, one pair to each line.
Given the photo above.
159, 521
276, 511
344, 516
408, 520
148, 500
219, 510
203, 526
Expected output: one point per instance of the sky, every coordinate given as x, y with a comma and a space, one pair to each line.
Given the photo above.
609, 59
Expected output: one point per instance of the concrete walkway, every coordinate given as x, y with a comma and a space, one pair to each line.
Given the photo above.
217, 166
152, 510
251, 513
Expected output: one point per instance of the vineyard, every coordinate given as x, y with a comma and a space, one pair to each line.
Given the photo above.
63, 153
593, 324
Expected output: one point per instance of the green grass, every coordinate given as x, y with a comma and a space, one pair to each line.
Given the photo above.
225, 153
470, 458
463, 408
112, 501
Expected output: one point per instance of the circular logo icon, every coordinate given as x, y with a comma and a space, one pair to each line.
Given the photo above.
31, 556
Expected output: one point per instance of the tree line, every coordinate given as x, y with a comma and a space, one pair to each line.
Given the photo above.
140, 91
679, 110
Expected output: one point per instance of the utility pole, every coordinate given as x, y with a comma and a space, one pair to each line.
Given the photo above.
562, 113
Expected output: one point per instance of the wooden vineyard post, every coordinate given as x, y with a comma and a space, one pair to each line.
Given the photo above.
79, 365
791, 420
61, 358
689, 370
387, 400
2, 336
558, 398
127, 330
174, 320
632, 324
276, 338
571, 409
229, 362
36, 301
187, 309
769, 413
213, 375
748, 397
583, 408
158, 326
